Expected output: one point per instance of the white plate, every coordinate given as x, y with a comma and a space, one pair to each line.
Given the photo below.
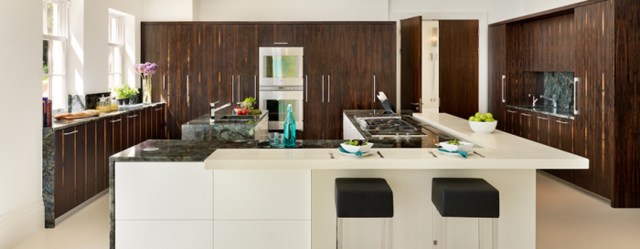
469, 153
353, 155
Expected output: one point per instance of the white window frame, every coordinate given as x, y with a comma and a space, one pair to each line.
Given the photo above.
120, 45
63, 37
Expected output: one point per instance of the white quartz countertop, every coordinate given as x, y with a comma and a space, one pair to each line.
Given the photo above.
501, 151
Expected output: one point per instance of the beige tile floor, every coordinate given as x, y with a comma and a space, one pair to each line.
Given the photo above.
567, 219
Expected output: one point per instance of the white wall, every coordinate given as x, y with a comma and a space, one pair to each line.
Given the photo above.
430, 68
88, 57
534, 6
292, 10
168, 10
21, 206
497, 10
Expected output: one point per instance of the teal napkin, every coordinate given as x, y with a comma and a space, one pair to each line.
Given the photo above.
462, 153
359, 154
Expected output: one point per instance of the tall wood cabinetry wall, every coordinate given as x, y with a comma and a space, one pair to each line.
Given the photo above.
345, 63
598, 42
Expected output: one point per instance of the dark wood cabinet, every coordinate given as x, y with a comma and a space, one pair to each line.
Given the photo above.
155, 51
219, 64
352, 80
281, 35
383, 62
543, 127
527, 125
317, 67
497, 74
562, 134
247, 62
132, 129
512, 121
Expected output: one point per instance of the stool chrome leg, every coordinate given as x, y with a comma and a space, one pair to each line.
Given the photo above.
386, 233
339, 228
487, 240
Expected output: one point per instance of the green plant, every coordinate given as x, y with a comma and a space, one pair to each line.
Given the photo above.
124, 91
249, 100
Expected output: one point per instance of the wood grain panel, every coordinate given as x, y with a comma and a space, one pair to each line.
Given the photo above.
411, 63
198, 104
383, 61
626, 175
247, 61
153, 50
543, 127
356, 80
459, 67
220, 46
68, 169
497, 69
281, 35
513, 121
102, 172
527, 125
514, 92
59, 190
91, 162
317, 66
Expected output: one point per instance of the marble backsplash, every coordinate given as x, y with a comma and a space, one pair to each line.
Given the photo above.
559, 84
79, 103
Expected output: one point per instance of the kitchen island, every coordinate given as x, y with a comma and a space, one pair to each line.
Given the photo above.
204, 194
227, 127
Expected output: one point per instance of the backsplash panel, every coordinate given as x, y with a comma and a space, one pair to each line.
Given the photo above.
559, 84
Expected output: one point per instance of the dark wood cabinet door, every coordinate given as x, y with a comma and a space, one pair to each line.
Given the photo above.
132, 132
80, 164
411, 64
247, 62
563, 134
316, 62
198, 99
59, 190
102, 165
383, 62
497, 74
179, 37
144, 124
154, 50
353, 78
543, 127
69, 157
513, 122
220, 41
527, 125
276, 35
91, 162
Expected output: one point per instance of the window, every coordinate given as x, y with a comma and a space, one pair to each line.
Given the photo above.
54, 46
116, 44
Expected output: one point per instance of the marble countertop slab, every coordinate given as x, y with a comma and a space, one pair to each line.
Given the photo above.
251, 120
64, 124
560, 113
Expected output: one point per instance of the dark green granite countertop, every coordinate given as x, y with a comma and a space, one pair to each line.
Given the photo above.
559, 112
63, 124
222, 120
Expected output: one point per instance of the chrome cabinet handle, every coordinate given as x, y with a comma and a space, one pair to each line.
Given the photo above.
233, 82
503, 99
374, 88
512, 111
239, 88
329, 88
306, 89
576, 80
133, 116
187, 89
281, 43
415, 103
69, 133
322, 88
164, 82
524, 114
159, 109
255, 86
543, 118
116, 121
562, 122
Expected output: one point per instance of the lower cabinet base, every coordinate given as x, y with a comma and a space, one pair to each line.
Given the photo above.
164, 234
262, 234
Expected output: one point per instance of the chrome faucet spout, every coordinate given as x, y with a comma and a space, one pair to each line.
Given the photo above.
555, 101
214, 109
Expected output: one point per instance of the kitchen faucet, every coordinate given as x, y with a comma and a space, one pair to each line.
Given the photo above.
534, 99
214, 109
555, 102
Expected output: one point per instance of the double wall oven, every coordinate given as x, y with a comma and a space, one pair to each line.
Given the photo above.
281, 84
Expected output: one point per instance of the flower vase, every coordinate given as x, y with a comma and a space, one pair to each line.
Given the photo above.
146, 91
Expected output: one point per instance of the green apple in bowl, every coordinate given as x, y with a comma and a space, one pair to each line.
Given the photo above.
483, 123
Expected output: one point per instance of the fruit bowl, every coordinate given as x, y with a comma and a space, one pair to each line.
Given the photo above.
354, 149
483, 127
464, 146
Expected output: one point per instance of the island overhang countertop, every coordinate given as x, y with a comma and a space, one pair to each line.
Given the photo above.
500, 150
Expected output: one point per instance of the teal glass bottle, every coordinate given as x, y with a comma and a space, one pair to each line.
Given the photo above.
289, 140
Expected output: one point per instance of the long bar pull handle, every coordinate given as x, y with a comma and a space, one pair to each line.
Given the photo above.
576, 101
159, 109
233, 82
69, 133
524, 114
562, 122
329, 88
187, 89
164, 82
306, 88
504, 77
543, 118
133, 116
322, 88
374, 88
255, 86
239, 87
281, 43
511, 111
116, 121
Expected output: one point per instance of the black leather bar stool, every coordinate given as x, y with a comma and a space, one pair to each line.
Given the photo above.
364, 198
465, 198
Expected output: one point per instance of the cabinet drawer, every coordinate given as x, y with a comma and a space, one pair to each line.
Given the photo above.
164, 234
563, 134
280, 35
262, 194
262, 234
148, 191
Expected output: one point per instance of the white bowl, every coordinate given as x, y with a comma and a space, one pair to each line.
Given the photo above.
354, 149
464, 146
483, 127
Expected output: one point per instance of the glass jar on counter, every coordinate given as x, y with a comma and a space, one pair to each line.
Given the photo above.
114, 104
103, 105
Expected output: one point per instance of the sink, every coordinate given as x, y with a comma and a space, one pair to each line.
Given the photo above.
238, 119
